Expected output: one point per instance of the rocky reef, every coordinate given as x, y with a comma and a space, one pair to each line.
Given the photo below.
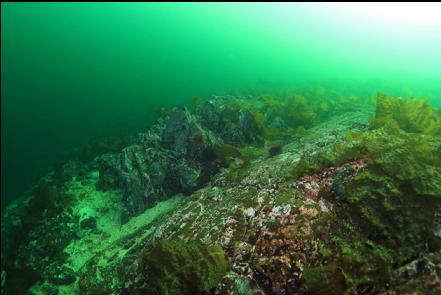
304, 193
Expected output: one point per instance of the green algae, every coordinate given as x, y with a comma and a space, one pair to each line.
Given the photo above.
411, 115
385, 212
226, 152
283, 197
322, 280
179, 267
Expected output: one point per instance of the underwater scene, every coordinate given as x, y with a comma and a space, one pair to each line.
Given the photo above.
221, 148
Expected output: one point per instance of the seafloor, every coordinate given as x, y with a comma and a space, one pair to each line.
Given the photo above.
241, 195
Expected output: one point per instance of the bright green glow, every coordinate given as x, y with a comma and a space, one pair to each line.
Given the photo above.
72, 70
414, 14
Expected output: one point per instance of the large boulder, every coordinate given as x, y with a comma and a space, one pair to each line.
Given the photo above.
185, 136
142, 173
150, 175
231, 119
171, 157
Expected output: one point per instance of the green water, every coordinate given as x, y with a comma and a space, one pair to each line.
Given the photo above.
73, 71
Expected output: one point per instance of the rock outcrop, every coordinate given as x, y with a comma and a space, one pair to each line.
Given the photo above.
208, 202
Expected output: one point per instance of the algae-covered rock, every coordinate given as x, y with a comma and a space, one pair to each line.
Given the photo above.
150, 175
178, 267
140, 191
388, 208
421, 276
35, 232
360, 215
184, 135
232, 119
187, 176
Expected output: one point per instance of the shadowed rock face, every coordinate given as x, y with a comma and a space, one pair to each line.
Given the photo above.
141, 190
150, 173
184, 135
234, 125
170, 159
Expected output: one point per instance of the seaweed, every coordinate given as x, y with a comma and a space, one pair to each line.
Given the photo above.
411, 115
226, 151
326, 279
179, 267
384, 214
237, 171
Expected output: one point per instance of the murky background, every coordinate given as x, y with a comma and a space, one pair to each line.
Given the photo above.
75, 71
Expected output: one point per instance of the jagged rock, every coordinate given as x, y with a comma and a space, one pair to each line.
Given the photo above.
152, 137
164, 162
234, 124
184, 135
210, 113
140, 179
149, 175
188, 176
422, 274
167, 159
242, 129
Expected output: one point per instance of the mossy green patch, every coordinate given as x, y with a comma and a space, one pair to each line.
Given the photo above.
250, 153
412, 115
283, 197
179, 267
323, 280
237, 172
384, 214
224, 151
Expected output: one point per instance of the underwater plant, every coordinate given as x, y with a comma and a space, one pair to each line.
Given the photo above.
180, 267
411, 115
384, 214
389, 207
325, 279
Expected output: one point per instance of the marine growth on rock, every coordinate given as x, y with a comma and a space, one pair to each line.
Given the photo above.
270, 193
